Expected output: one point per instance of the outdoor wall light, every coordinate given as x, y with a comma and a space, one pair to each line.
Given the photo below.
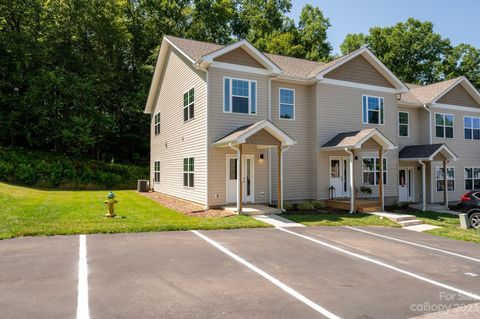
261, 156
356, 158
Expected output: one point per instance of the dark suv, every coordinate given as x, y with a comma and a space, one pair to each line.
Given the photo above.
470, 205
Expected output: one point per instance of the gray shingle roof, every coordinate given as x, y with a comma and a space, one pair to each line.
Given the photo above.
426, 94
419, 151
347, 138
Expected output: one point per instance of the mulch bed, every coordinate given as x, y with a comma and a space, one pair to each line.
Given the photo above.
186, 207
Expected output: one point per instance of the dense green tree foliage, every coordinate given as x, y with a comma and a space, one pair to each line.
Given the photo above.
417, 54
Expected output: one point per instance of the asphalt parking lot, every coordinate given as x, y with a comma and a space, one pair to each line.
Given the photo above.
312, 272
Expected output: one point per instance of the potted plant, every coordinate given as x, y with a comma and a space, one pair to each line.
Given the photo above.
366, 191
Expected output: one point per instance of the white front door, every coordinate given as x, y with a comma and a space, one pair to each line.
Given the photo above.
405, 185
339, 177
247, 178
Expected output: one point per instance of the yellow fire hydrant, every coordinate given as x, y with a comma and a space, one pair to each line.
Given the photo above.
110, 203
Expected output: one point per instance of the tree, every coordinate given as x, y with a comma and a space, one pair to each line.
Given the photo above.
463, 59
313, 27
352, 42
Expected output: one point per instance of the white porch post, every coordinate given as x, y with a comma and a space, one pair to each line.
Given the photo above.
424, 187
352, 190
445, 186
239, 179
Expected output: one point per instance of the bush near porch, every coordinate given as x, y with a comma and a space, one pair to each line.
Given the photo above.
32, 212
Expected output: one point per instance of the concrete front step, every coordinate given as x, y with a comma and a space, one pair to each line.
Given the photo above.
406, 223
402, 218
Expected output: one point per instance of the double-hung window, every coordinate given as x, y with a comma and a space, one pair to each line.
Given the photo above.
156, 172
403, 120
472, 127
189, 105
444, 125
287, 103
372, 108
440, 177
239, 96
157, 124
371, 170
188, 172
472, 178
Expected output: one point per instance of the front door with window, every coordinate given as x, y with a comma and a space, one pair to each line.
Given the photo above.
405, 185
339, 177
247, 178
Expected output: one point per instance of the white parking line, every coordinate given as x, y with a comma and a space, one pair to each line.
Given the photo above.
408, 273
270, 278
414, 244
82, 299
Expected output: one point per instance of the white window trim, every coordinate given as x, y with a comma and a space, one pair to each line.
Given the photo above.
188, 105
464, 128
473, 179
193, 172
449, 179
230, 95
375, 170
363, 115
155, 123
399, 124
155, 181
444, 125
280, 104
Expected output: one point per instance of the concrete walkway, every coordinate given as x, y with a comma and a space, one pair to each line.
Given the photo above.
435, 208
409, 222
277, 221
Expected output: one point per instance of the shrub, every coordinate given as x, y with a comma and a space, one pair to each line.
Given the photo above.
307, 206
319, 204
41, 169
288, 206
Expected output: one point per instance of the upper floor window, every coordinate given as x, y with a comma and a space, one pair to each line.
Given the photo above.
472, 127
157, 124
239, 96
440, 177
472, 178
443, 125
188, 172
156, 172
371, 170
188, 104
372, 109
287, 104
403, 119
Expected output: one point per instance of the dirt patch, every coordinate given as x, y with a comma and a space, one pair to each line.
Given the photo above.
186, 207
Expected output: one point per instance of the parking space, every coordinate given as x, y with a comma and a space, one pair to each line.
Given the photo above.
312, 272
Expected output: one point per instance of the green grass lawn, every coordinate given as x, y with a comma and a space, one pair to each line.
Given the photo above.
450, 226
32, 212
339, 219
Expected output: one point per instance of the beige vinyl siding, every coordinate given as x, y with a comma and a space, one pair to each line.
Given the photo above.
467, 150
414, 127
221, 123
458, 96
241, 57
423, 127
297, 166
339, 109
179, 139
359, 70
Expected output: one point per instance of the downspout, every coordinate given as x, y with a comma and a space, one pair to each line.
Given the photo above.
352, 191
269, 113
238, 177
424, 187
425, 106
281, 177
207, 191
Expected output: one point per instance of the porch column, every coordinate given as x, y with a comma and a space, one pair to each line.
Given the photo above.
445, 186
279, 177
351, 180
424, 187
380, 179
239, 180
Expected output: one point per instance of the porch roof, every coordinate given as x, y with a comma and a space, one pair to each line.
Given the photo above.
355, 140
242, 133
426, 152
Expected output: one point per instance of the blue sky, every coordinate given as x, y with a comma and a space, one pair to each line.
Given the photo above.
457, 20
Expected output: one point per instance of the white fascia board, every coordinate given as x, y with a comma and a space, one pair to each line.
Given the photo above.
379, 138
456, 107
444, 148
156, 76
270, 128
254, 52
467, 85
356, 85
